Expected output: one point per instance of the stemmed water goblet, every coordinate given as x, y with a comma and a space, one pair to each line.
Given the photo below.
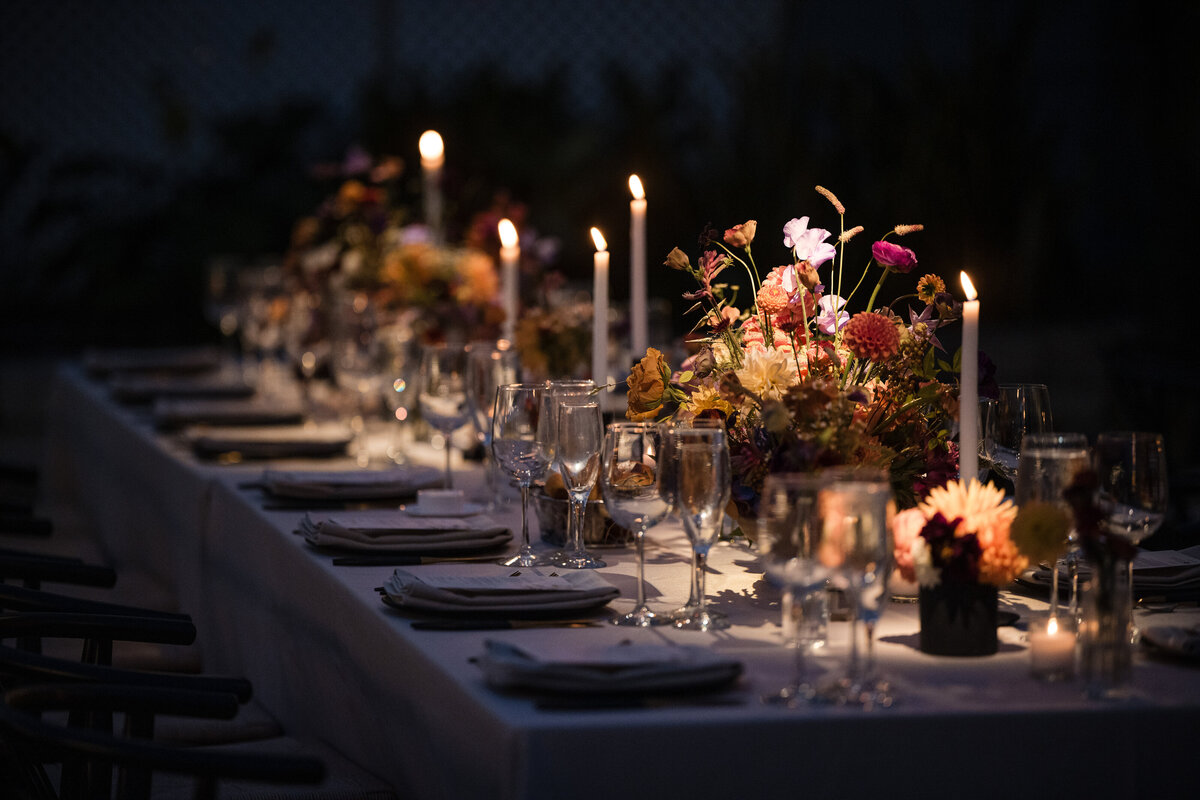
855, 509
443, 393
702, 486
520, 446
1020, 409
789, 544
489, 365
631, 482
579, 431
1131, 467
1048, 463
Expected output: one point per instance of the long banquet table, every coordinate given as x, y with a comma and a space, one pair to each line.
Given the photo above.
332, 662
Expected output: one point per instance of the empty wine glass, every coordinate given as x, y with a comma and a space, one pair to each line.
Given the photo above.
357, 356
702, 486
443, 393
489, 365
789, 544
306, 341
634, 494
577, 447
1047, 465
520, 445
1021, 408
1132, 470
398, 363
670, 462
856, 507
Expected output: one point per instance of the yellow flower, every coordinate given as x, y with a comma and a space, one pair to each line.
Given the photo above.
707, 398
1040, 531
647, 384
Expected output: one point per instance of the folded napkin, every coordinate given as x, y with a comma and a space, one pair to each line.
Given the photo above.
137, 387
1174, 639
102, 361
396, 532
1165, 573
623, 668
350, 484
270, 442
177, 413
491, 588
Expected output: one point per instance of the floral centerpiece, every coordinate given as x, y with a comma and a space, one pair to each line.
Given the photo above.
958, 546
362, 239
800, 381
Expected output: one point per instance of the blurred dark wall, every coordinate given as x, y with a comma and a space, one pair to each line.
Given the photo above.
1049, 148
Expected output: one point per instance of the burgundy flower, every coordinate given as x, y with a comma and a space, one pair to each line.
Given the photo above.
894, 257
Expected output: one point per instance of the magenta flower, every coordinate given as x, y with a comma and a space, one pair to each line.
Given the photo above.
808, 243
894, 257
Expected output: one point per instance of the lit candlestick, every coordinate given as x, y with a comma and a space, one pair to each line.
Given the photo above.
510, 257
1051, 651
432, 159
968, 399
637, 268
600, 310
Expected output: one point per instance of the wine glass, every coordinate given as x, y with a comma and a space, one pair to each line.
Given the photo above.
357, 356
634, 494
443, 393
520, 446
397, 364
702, 485
579, 430
1132, 471
789, 543
855, 509
670, 461
305, 340
489, 365
1021, 408
1047, 465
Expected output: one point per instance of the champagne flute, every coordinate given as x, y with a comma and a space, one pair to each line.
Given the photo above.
702, 485
1132, 470
856, 508
670, 461
520, 445
489, 365
577, 445
789, 543
1048, 463
443, 393
634, 494
1021, 408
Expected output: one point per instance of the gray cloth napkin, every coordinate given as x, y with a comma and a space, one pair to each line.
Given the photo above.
350, 484
493, 588
393, 531
623, 668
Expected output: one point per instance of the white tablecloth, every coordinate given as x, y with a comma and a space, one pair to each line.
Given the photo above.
330, 660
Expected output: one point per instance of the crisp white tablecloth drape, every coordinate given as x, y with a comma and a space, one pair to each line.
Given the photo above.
331, 661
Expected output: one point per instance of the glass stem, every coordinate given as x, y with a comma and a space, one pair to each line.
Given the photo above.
525, 517
575, 528
869, 662
699, 564
449, 477
639, 541
1054, 591
852, 664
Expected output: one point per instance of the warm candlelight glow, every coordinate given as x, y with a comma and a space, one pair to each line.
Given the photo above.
635, 186
508, 233
968, 287
598, 238
431, 148
1052, 626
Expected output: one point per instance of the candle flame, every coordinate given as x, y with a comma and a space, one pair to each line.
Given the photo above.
598, 238
1052, 626
968, 287
508, 233
635, 186
431, 146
